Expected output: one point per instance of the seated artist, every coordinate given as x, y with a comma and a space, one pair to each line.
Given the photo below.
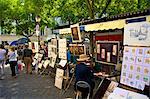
83, 72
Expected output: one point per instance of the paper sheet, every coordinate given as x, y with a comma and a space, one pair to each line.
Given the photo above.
62, 63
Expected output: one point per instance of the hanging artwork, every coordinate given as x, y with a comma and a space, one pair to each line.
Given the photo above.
103, 53
52, 47
36, 45
77, 49
114, 50
108, 56
137, 34
53, 60
62, 48
98, 48
147, 52
75, 31
107, 52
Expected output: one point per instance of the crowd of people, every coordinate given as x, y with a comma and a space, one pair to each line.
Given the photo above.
16, 56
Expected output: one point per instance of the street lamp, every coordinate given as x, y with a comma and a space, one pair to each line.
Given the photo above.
38, 19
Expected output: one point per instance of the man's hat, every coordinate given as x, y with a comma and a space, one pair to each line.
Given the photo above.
83, 57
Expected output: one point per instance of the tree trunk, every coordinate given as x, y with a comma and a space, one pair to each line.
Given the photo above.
90, 6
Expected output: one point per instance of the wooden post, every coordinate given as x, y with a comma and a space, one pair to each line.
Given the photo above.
92, 48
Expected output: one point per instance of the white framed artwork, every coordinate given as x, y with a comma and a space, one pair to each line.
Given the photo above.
137, 34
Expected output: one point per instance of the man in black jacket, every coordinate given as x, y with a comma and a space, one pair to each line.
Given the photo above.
84, 73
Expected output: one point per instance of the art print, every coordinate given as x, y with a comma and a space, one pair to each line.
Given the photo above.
126, 50
53, 60
124, 74
147, 61
146, 70
114, 52
126, 58
36, 45
146, 79
108, 56
133, 50
139, 69
123, 80
103, 54
140, 85
139, 60
58, 78
75, 31
131, 67
125, 66
54, 42
130, 75
30, 45
137, 34
132, 82
62, 49
140, 51
46, 63
147, 52
138, 76
77, 49
132, 59
98, 48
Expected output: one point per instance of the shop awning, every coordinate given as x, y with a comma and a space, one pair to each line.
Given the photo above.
148, 19
65, 31
118, 24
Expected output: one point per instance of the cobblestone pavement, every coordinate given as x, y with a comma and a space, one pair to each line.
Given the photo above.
31, 87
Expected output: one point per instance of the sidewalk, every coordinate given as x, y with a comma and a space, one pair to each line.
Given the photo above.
33, 86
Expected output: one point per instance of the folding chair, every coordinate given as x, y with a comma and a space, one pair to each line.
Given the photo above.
84, 85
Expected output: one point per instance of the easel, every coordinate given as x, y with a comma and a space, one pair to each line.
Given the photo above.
72, 77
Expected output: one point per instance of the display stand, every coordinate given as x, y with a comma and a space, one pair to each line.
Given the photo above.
135, 74
71, 79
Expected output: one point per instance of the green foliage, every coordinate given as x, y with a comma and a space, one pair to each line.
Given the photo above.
23, 12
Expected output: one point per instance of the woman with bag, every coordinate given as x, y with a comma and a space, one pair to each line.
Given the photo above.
12, 60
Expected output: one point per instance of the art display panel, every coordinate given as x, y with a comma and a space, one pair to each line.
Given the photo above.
136, 67
137, 34
77, 49
107, 52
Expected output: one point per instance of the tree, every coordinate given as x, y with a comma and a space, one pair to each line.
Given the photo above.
71, 11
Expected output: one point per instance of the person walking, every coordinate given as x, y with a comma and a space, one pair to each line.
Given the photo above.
2, 58
12, 60
27, 58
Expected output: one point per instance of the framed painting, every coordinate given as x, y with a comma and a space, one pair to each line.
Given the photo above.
75, 32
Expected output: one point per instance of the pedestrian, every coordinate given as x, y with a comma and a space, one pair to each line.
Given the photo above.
20, 53
12, 60
27, 58
2, 59
84, 72
17, 69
